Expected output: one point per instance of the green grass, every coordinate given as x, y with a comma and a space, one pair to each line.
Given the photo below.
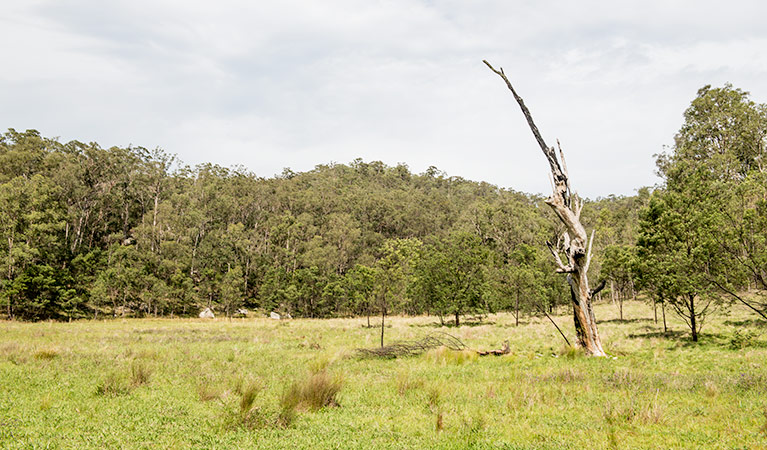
260, 383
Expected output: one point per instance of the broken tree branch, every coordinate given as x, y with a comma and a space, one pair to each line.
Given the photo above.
561, 268
597, 289
555, 325
588, 254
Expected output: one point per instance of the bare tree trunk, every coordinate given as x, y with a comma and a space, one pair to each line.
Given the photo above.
567, 206
663, 311
383, 317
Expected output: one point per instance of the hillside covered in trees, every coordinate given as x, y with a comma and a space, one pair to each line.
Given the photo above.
91, 232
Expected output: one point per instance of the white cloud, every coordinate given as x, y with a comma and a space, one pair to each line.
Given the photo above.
299, 83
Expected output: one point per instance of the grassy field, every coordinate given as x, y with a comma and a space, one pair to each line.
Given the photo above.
260, 383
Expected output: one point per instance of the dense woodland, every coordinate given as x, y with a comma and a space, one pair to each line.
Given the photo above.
94, 232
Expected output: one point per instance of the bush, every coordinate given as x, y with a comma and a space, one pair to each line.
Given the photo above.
743, 338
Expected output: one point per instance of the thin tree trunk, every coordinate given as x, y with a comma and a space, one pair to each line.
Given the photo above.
693, 325
663, 311
383, 317
516, 316
655, 311
620, 302
457, 321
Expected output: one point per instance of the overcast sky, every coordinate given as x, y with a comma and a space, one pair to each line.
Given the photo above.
296, 83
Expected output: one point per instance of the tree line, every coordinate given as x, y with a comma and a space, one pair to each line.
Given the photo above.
92, 232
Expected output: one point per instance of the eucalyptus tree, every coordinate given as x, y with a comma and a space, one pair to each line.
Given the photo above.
450, 276
705, 226
393, 273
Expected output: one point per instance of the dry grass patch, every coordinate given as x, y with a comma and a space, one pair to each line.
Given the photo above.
46, 354
445, 356
318, 390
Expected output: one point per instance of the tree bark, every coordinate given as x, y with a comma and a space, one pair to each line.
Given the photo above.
567, 206
693, 325
383, 317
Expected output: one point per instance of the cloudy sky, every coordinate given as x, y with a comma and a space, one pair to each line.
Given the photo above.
296, 83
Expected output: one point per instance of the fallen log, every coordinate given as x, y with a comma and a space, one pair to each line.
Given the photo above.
505, 350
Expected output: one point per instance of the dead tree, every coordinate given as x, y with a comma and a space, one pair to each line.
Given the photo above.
574, 243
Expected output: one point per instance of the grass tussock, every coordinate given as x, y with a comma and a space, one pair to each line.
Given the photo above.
113, 384
251, 415
316, 391
123, 381
407, 383
445, 356
624, 378
567, 375
710, 389
140, 373
248, 396
643, 411
244, 412
208, 391
570, 352
46, 354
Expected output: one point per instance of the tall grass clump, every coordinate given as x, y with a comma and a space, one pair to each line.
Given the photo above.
316, 391
207, 390
406, 383
139, 373
445, 356
113, 385
570, 352
46, 354
249, 414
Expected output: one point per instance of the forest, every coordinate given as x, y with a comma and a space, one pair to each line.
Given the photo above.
93, 232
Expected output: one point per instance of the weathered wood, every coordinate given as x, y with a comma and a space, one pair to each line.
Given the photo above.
575, 244
505, 350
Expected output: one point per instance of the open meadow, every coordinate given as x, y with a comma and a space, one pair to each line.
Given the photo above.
262, 383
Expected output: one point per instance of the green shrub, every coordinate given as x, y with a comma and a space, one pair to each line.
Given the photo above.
743, 338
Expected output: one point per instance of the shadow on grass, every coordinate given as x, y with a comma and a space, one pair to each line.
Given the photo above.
624, 321
452, 324
653, 333
747, 323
